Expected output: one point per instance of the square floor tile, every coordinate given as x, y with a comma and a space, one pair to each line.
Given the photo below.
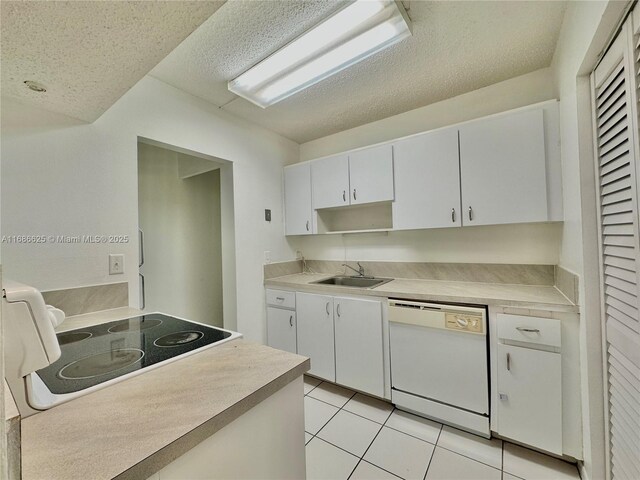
350, 432
307, 437
447, 465
400, 454
331, 393
316, 414
326, 462
310, 383
369, 407
472, 446
366, 471
422, 428
525, 463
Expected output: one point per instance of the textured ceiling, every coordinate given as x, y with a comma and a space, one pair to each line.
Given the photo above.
456, 47
89, 53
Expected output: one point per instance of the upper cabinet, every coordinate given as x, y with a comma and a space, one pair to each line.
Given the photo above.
365, 176
371, 175
503, 169
297, 200
427, 177
330, 180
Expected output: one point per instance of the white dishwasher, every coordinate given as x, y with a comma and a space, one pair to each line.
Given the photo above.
439, 362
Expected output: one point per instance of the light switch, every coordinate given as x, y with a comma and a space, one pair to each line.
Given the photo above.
116, 264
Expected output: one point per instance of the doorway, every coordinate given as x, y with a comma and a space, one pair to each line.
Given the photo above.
180, 223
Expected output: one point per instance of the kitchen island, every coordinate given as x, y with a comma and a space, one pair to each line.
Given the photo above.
231, 411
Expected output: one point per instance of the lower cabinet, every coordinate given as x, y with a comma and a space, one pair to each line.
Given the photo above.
281, 329
315, 333
530, 395
344, 339
358, 339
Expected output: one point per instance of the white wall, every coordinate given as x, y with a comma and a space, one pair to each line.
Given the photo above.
63, 177
532, 244
180, 218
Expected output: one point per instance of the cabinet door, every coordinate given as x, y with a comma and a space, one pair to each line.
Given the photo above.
281, 329
297, 199
359, 357
427, 181
503, 170
315, 333
530, 397
371, 175
330, 180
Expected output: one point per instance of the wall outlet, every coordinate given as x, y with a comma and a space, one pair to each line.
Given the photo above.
116, 264
267, 256
298, 255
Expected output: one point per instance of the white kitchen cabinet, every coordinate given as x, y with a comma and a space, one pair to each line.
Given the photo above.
330, 180
503, 169
530, 396
297, 200
359, 344
315, 333
371, 175
281, 329
427, 181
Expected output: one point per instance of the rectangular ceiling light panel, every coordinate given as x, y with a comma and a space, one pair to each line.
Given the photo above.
359, 30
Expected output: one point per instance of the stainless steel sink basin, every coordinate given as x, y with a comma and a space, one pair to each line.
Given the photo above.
358, 282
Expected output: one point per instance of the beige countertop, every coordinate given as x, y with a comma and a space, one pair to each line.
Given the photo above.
134, 428
539, 297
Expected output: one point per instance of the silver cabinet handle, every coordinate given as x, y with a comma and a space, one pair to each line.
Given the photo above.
344, 195
470, 213
307, 225
280, 299
338, 310
141, 259
508, 362
291, 320
453, 215
327, 309
526, 329
354, 194
143, 297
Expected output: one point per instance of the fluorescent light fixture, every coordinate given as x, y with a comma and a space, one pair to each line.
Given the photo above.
359, 30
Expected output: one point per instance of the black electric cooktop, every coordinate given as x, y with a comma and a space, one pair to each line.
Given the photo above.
94, 355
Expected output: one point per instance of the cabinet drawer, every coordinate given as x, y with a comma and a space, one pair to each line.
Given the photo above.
281, 298
537, 330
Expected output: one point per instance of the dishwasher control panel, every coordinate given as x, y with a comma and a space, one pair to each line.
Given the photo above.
464, 322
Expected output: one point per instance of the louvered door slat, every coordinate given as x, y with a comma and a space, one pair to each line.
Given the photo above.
616, 130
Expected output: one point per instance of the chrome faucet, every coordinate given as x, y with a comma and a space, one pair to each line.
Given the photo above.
359, 271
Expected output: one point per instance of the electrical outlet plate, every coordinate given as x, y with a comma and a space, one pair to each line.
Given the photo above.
267, 256
116, 264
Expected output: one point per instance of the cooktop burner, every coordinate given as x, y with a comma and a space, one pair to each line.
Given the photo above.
93, 355
95, 365
177, 339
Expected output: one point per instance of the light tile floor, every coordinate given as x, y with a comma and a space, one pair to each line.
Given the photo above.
352, 436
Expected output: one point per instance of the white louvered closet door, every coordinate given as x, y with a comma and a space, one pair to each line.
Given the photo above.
615, 98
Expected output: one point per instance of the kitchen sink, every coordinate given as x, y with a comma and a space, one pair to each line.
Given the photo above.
358, 282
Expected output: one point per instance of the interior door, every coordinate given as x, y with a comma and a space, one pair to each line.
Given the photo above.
615, 100
315, 333
297, 199
371, 175
503, 169
359, 357
427, 181
330, 180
